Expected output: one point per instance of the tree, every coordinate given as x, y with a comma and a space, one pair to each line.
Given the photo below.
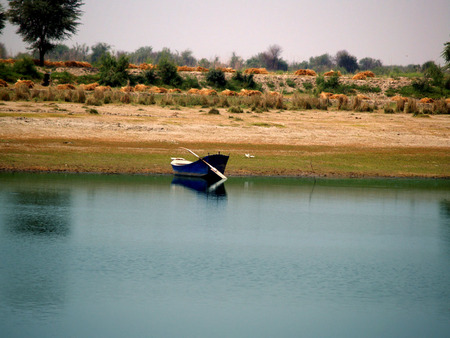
2, 18
346, 61
59, 53
321, 63
271, 57
79, 52
369, 63
204, 63
272, 60
43, 21
142, 55
99, 50
186, 58
433, 73
446, 54
236, 61
256, 61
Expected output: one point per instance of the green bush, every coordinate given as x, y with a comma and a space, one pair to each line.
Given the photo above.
327, 85
243, 81
290, 83
148, 77
7, 73
86, 79
308, 85
216, 78
22, 69
168, 73
114, 72
26, 69
190, 82
435, 74
420, 88
63, 77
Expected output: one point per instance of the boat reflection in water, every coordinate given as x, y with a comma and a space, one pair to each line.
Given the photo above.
208, 187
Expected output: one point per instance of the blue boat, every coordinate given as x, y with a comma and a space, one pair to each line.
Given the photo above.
199, 168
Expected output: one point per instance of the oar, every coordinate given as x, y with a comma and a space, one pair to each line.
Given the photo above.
215, 170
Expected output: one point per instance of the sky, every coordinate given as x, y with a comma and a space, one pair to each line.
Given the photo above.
399, 32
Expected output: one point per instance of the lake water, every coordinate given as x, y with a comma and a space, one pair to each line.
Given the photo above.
141, 256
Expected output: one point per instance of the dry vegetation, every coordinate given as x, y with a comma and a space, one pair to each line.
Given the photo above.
88, 127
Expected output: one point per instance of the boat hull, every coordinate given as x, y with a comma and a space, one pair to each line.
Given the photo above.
199, 168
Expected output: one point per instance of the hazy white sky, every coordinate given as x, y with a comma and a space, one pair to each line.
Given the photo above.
396, 31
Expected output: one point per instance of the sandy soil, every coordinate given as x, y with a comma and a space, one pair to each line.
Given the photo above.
24, 120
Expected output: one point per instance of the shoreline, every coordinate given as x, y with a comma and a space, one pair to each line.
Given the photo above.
135, 139
443, 179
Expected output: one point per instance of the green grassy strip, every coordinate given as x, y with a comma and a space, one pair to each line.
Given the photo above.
269, 160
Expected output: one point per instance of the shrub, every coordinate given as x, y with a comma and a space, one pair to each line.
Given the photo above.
243, 81
49, 95
63, 77
308, 85
435, 74
21, 93
411, 107
7, 73
87, 79
126, 98
107, 99
235, 110
214, 111
441, 107
68, 95
4, 95
168, 73
216, 78
167, 100
146, 99
150, 77
308, 102
80, 96
99, 95
331, 84
388, 109
26, 69
113, 72
223, 102
92, 101
356, 103
190, 82
400, 105
291, 83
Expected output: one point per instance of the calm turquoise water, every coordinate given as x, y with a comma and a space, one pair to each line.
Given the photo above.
138, 256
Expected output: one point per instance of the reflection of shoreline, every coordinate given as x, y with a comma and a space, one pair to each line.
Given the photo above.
40, 213
202, 186
34, 270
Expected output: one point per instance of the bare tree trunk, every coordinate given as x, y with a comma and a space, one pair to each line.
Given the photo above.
41, 57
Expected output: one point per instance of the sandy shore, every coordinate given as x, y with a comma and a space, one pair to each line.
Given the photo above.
69, 122
153, 123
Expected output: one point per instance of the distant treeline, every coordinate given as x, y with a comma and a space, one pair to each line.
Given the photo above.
270, 59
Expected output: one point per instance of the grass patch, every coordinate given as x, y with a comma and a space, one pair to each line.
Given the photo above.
154, 157
267, 125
